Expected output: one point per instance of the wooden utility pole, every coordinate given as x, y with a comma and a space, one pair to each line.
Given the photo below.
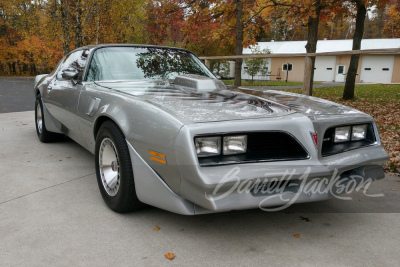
239, 42
311, 47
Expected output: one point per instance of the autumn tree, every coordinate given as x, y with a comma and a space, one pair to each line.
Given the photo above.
221, 68
375, 21
165, 24
20, 28
348, 92
257, 65
311, 46
206, 27
78, 22
361, 7
281, 26
238, 24
392, 26
336, 22
310, 12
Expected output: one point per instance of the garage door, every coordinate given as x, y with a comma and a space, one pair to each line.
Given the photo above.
377, 69
324, 69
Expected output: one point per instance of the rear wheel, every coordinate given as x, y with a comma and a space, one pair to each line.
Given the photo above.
42, 133
114, 169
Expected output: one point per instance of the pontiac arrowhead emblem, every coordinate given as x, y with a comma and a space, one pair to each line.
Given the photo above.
314, 137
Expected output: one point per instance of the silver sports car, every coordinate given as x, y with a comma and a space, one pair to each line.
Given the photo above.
166, 132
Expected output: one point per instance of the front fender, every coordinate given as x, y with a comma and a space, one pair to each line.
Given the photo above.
145, 126
38, 84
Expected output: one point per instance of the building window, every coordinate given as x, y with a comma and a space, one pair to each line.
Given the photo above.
385, 69
341, 70
287, 67
328, 68
367, 69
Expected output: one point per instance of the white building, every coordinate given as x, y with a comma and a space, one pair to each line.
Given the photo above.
376, 68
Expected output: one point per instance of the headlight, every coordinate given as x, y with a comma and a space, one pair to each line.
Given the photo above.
359, 132
342, 134
235, 144
208, 146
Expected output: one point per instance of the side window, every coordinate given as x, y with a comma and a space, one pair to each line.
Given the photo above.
95, 71
74, 62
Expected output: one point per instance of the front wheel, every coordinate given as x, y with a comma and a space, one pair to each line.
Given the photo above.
114, 169
42, 133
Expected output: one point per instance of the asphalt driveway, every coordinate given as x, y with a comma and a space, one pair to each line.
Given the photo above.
16, 94
51, 213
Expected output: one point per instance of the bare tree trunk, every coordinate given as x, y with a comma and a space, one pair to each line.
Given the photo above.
78, 26
348, 92
33, 69
311, 47
64, 10
239, 42
381, 22
97, 28
14, 70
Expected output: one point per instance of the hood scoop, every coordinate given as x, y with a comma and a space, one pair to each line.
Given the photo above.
198, 84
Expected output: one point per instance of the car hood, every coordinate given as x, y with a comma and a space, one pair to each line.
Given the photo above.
223, 104
307, 105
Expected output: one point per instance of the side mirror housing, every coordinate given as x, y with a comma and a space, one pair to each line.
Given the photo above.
69, 75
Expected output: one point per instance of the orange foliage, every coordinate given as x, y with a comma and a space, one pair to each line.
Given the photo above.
392, 27
35, 34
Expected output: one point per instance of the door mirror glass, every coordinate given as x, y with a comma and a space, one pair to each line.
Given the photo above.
73, 65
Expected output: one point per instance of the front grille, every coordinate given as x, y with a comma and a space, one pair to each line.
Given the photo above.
262, 146
274, 145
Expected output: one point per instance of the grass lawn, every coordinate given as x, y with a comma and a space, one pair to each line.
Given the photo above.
382, 102
374, 93
265, 83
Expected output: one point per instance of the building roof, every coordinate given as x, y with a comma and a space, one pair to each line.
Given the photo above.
323, 46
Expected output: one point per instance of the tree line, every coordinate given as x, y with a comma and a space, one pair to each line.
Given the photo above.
35, 34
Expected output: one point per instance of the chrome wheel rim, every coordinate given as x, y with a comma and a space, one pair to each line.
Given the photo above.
39, 117
109, 167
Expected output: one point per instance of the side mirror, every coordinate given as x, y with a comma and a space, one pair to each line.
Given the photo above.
69, 75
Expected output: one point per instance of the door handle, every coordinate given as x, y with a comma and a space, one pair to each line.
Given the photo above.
49, 88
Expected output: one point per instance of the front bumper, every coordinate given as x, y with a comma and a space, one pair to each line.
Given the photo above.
227, 187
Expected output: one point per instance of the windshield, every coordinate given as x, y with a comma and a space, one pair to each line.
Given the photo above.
137, 63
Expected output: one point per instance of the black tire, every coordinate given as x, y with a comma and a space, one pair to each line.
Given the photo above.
110, 143
42, 133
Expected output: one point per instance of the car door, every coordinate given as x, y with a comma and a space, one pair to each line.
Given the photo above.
62, 95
